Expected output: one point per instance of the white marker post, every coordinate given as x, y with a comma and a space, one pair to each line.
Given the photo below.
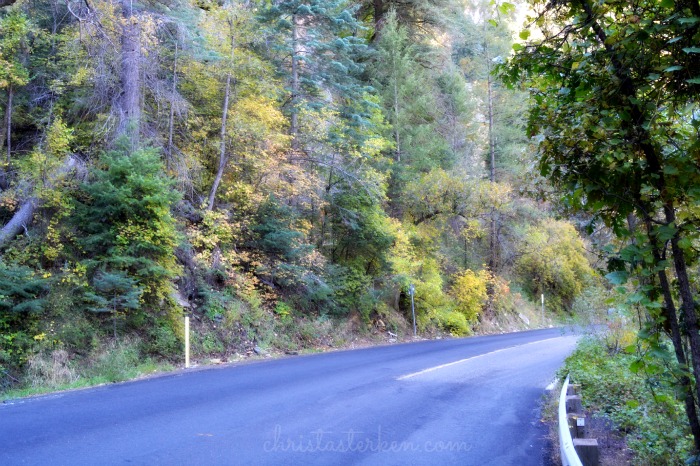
542, 309
412, 291
187, 342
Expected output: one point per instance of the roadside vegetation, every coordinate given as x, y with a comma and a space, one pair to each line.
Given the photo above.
282, 172
643, 406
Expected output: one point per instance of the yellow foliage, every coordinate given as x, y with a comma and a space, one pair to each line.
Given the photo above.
553, 261
412, 264
470, 293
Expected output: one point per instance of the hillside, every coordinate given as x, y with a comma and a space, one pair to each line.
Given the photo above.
281, 171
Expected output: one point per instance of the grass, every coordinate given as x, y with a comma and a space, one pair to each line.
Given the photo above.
115, 362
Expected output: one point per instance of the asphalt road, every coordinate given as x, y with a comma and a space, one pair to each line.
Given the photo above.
471, 401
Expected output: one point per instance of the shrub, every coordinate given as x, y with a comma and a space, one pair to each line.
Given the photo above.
50, 369
454, 322
470, 292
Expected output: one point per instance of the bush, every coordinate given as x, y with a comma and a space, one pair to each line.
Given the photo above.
470, 292
453, 322
128, 232
51, 369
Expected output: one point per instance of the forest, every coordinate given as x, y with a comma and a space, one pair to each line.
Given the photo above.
281, 171
285, 171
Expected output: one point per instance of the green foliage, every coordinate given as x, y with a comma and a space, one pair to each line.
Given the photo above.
553, 262
645, 408
350, 168
21, 290
279, 233
116, 362
407, 92
14, 29
129, 233
362, 230
615, 112
320, 36
453, 322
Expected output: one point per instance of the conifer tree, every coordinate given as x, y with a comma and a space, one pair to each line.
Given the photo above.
125, 217
319, 48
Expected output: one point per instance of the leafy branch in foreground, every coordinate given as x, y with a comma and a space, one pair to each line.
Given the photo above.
614, 107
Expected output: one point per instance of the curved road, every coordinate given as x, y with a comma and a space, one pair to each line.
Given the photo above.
471, 401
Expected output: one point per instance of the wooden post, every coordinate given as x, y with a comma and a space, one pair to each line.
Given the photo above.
577, 425
573, 404
587, 450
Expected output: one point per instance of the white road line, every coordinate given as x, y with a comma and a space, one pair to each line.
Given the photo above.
442, 366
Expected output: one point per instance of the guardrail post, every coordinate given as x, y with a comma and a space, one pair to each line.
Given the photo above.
574, 451
569, 457
587, 450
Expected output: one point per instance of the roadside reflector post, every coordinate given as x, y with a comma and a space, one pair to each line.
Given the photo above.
412, 291
542, 309
187, 342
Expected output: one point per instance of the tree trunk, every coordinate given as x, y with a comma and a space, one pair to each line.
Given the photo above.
171, 116
689, 316
130, 98
676, 339
23, 217
378, 17
19, 221
5, 132
223, 157
397, 133
492, 177
8, 121
296, 53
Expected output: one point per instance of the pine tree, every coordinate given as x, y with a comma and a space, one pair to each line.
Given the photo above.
126, 221
320, 50
408, 93
116, 292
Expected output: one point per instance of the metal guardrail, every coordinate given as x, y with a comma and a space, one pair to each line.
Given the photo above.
569, 457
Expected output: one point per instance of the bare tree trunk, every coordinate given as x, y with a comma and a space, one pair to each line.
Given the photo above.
223, 156
397, 133
19, 221
8, 121
492, 175
171, 117
3, 128
5, 132
492, 142
23, 217
378, 18
130, 98
296, 54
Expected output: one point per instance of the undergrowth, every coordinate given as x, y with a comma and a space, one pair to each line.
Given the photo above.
643, 407
54, 370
